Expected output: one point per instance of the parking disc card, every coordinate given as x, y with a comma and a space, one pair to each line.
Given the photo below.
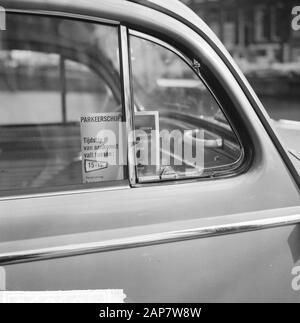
101, 147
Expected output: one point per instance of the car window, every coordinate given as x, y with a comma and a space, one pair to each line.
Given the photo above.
57, 77
180, 130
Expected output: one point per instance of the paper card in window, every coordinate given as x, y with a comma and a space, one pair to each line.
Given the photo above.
102, 147
147, 143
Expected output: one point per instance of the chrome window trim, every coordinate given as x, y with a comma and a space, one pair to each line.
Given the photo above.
72, 250
231, 169
128, 101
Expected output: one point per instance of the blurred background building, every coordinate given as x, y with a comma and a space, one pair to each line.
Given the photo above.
259, 35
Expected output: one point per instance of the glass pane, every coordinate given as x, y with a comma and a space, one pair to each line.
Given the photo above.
87, 92
177, 119
54, 73
29, 77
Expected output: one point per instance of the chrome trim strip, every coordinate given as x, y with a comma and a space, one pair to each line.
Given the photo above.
145, 240
128, 101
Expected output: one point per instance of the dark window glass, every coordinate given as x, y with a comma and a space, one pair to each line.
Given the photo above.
192, 135
52, 72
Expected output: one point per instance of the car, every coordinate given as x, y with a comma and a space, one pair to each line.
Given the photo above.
134, 155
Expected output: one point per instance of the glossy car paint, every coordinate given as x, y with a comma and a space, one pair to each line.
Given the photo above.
289, 131
247, 266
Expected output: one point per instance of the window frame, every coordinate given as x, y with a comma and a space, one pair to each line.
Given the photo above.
124, 31
234, 169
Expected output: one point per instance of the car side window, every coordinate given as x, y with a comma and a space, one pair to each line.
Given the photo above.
180, 130
55, 73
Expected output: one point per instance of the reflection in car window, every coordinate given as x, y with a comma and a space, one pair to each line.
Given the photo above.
195, 138
52, 72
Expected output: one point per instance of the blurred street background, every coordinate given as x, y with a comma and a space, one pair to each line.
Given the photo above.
260, 37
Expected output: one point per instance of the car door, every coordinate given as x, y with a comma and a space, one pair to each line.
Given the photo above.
225, 230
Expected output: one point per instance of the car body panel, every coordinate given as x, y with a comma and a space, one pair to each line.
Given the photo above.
289, 131
251, 267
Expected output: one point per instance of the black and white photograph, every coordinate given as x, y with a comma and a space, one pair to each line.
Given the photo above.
149, 154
